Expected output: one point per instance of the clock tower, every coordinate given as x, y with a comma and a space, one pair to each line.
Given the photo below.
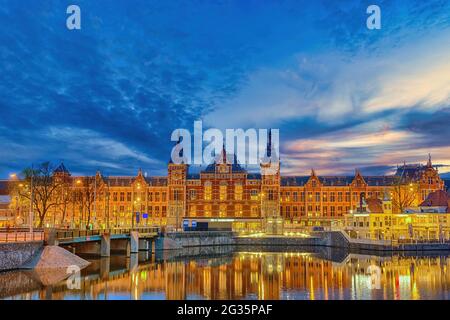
176, 185
270, 191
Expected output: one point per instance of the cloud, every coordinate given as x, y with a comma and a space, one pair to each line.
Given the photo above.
110, 94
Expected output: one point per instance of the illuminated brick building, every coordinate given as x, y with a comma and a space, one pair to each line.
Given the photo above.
225, 191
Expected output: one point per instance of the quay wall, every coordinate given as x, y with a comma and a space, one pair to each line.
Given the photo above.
179, 240
15, 254
333, 239
339, 239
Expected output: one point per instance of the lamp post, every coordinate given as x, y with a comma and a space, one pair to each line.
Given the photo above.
31, 201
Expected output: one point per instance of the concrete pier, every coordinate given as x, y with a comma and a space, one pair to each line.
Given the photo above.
134, 241
144, 245
105, 245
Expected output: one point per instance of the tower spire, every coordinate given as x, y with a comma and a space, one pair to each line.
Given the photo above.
429, 164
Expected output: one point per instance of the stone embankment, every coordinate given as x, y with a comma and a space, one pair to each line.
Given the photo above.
36, 256
339, 239
15, 254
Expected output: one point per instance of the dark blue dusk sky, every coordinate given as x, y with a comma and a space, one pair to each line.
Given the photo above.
108, 96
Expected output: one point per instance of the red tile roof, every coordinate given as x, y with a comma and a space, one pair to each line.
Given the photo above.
438, 198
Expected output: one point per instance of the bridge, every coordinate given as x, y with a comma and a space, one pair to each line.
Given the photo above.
104, 241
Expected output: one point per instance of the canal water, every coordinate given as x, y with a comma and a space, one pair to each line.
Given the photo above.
259, 273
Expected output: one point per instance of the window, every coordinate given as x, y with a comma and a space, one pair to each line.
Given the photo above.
317, 196
115, 196
302, 196
325, 197
295, 196
223, 210
288, 196
208, 210
339, 196
347, 196
193, 211
163, 195
150, 196
223, 192
332, 197
177, 195
310, 196
238, 210
157, 196
238, 192
128, 196
208, 190
333, 211
122, 196
193, 194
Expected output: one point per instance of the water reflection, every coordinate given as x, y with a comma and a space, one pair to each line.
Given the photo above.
247, 275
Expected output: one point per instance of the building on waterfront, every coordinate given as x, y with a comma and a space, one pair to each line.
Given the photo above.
6, 213
225, 191
376, 220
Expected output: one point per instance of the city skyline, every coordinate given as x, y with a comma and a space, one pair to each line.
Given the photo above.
108, 96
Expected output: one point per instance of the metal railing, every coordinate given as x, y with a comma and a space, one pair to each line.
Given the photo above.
75, 233
21, 235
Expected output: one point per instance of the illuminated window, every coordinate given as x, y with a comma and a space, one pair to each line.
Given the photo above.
193, 211
332, 197
223, 192
208, 210
223, 210
208, 191
238, 210
238, 190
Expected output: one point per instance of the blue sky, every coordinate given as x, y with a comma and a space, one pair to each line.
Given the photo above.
108, 96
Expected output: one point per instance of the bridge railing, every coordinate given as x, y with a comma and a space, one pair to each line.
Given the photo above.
75, 233
21, 235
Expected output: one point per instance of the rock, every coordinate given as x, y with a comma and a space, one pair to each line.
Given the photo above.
54, 257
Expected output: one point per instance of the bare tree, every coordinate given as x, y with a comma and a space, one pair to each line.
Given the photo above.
44, 187
64, 195
403, 193
87, 197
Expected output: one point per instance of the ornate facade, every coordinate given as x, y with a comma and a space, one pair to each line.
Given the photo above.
224, 191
